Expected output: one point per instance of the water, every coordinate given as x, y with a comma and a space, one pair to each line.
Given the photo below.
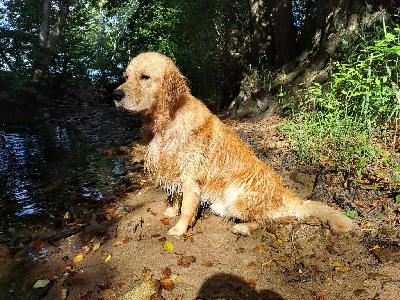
51, 162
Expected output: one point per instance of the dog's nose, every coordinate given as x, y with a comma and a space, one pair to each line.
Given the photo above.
118, 94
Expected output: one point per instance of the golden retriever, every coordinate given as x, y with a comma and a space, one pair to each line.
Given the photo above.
192, 154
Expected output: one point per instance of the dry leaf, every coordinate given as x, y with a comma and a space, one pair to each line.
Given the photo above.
186, 261
251, 266
216, 246
64, 293
78, 257
319, 296
252, 282
118, 243
207, 263
167, 284
361, 203
166, 273
96, 247
343, 269
259, 248
146, 274
165, 221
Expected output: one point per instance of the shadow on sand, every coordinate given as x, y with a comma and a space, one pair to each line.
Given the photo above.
225, 286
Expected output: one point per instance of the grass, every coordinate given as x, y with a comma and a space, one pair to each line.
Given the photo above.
352, 121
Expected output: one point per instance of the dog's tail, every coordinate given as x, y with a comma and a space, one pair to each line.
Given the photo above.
337, 221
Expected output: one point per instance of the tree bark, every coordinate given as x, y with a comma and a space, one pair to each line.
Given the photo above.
285, 42
45, 25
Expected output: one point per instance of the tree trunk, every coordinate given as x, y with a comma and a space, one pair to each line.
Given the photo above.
48, 39
45, 26
285, 41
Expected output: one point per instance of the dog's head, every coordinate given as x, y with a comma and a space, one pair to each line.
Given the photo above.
153, 85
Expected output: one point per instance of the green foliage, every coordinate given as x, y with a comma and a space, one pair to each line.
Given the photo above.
351, 120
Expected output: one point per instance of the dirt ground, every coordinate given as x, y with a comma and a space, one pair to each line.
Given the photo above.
126, 253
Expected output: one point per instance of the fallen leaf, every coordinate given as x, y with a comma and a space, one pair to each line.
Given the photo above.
259, 248
334, 264
108, 258
167, 246
146, 274
70, 266
343, 269
123, 242
361, 203
78, 257
216, 246
175, 279
374, 204
167, 284
252, 282
207, 263
64, 293
41, 283
110, 210
166, 273
319, 296
251, 266
122, 282
179, 297
186, 261
165, 221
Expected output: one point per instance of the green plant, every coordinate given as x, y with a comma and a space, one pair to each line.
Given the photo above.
349, 120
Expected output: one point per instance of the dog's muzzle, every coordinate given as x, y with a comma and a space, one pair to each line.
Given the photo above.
118, 96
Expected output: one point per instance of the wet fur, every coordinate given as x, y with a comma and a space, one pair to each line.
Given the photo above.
192, 153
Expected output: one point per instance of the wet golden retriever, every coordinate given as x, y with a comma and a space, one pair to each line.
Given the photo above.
192, 154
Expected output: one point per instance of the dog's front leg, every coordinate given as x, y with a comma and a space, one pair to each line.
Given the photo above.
190, 204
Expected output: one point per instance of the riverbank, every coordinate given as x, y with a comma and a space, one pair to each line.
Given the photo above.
123, 246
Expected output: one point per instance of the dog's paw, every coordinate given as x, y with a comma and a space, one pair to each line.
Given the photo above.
177, 231
170, 212
244, 228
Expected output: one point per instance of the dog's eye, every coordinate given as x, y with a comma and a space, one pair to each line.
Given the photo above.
144, 77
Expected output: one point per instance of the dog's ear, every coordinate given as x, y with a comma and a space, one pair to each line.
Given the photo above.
175, 89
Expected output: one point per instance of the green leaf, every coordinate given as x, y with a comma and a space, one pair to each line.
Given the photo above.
350, 214
41, 283
398, 198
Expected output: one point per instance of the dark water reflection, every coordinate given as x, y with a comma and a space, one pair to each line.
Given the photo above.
51, 161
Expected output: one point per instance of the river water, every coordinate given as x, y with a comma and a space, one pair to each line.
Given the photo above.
51, 161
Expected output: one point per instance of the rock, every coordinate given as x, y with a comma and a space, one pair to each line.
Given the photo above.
142, 291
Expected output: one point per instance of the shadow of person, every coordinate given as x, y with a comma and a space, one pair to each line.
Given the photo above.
223, 286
